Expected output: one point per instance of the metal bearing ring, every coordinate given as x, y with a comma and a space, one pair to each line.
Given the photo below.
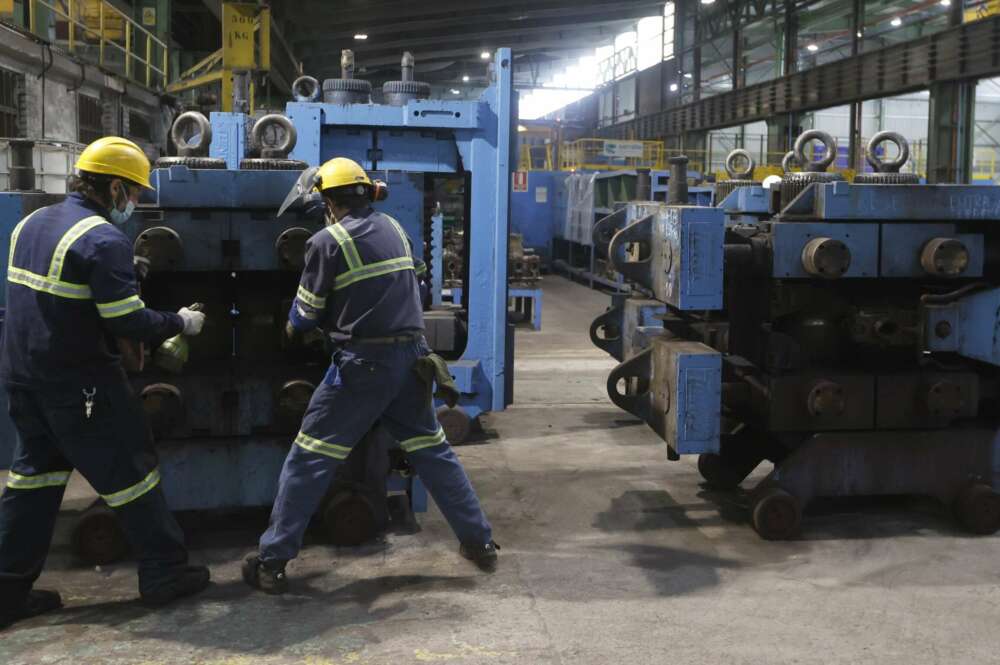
744, 174
282, 149
815, 135
306, 89
888, 166
788, 161
202, 129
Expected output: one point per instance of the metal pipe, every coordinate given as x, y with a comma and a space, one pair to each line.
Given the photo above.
643, 185
22, 168
347, 64
677, 188
407, 67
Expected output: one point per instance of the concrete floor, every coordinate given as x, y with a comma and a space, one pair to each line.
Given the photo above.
611, 554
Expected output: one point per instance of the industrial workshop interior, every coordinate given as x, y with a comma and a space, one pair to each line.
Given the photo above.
578, 332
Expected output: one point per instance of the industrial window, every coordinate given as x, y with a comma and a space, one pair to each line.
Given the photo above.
139, 127
11, 84
668, 31
89, 119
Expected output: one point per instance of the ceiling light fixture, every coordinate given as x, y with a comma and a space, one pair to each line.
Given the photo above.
673, 87
707, 2
465, 79
813, 48
485, 55
896, 22
859, 34
946, 3
361, 37
689, 75
456, 92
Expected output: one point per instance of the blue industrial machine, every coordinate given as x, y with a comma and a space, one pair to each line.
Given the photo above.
849, 338
211, 233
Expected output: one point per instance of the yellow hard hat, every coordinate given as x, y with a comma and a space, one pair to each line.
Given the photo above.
116, 156
340, 172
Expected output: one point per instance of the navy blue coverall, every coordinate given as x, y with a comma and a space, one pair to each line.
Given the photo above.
71, 290
360, 285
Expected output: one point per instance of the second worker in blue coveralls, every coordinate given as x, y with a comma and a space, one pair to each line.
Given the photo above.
360, 285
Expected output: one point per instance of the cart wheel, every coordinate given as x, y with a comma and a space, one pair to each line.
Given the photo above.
456, 424
776, 514
719, 474
98, 539
978, 509
349, 519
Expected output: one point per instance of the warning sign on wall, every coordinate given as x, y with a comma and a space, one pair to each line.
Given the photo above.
520, 181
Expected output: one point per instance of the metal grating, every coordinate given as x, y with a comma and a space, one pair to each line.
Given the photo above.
966, 52
11, 84
89, 111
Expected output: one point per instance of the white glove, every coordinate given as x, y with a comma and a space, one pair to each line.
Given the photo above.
193, 321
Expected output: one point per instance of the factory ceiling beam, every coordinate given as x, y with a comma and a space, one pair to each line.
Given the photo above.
528, 17
966, 52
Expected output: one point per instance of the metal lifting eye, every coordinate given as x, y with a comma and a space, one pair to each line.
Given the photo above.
887, 165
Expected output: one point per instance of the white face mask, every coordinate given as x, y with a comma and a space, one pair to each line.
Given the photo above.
119, 217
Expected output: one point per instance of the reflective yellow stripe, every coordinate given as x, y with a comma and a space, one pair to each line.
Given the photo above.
75, 233
111, 310
130, 494
374, 270
421, 269
55, 479
46, 285
305, 441
311, 299
421, 442
16, 233
346, 243
52, 283
402, 235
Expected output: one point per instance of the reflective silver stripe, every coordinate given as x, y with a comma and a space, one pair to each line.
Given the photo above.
311, 299
46, 285
402, 235
130, 494
75, 233
118, 308
346, 243
55, 479
421, 442
307, 442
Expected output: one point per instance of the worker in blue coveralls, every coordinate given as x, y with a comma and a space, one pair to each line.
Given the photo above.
360, 286
71, 294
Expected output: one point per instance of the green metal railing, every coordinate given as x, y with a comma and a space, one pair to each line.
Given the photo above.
97, 31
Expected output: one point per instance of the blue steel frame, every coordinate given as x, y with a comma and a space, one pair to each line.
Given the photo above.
440, 136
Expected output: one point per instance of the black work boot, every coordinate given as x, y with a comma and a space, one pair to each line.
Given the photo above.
38, 602
484, 556
186, 581
267, 577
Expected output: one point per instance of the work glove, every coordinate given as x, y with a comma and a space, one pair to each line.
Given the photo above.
194, 319
314, 207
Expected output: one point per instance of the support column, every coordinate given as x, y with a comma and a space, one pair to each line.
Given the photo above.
782, 131
949, 132
790, 37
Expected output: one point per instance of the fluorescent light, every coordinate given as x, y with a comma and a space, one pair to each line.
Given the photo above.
465, 79
946, 3
813, 48
456, 92
689, 75
896, 22
707, 2
673, 87
485, 55
361, 36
